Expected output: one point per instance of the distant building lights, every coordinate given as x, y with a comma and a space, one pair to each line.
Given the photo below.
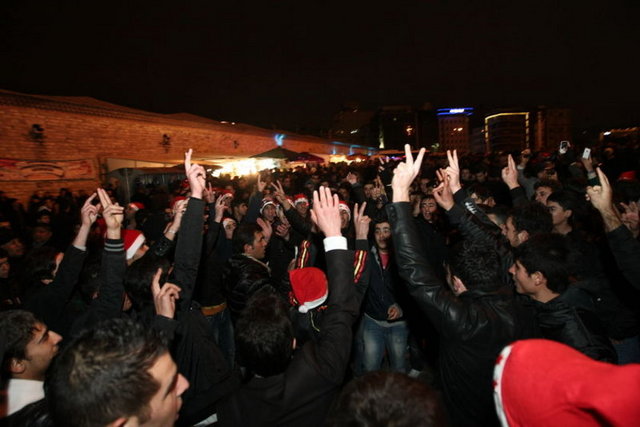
467, 111
354, 131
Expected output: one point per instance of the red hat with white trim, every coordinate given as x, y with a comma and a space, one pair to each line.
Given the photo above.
309, 287
300, 198
136, 206
133, 240
343, 206
541, 383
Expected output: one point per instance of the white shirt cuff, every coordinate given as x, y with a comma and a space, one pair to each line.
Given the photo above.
335, 242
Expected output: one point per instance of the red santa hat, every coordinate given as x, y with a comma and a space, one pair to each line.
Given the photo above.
133, 240
309, 287
136, 206
300, 198
627, 176
343, 206
541, 383
267, 202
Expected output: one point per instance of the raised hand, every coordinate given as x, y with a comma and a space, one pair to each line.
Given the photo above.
209, 194
453, 170
220, 207
282, 230
442, 193
261, 184
112, 213
405, 173
195, 174
325, 213
267, 230
361, 221
631, 217
89, 212
601, 196
164, 299
510, 173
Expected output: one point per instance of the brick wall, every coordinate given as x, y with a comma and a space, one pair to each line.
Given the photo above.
76, 130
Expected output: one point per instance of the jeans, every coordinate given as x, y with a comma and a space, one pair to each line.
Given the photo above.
379, 336
223, 333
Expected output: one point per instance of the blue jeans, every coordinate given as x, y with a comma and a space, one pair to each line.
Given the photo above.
223, 333
379, 336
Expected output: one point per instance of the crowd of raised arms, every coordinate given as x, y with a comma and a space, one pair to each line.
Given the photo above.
427, 290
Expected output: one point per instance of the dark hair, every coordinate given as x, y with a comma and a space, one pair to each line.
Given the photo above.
103, 374
387, 398
501, 213
244, 234
238, 202
139, 275
566, 199
3, 253
532, 218
16, 330
547, 253
39, 265
551, 183
481, 190
476, 264
264, 334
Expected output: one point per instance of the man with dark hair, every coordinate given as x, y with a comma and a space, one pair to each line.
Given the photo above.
387, 398
474, 322
246, 272
543, 188
29, 346
525, 221
119, 373
541, 271
288, 388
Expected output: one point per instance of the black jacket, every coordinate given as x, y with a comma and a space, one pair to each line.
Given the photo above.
243, 277
302, 395
473, 327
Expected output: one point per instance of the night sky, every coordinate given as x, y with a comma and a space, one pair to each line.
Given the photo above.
291, 64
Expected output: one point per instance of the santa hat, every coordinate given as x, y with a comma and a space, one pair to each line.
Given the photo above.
136, 206
176, 200
541, 382
300, 198
627, 176
309, 287
267, 202
133, 240
226, 221
343, 206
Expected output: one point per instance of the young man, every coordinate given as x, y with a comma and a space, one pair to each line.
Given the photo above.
117, 374
475, 318
541, 271
29, 348
382, 328
288, 388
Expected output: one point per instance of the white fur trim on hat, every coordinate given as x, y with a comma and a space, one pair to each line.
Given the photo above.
309, 305
131, 251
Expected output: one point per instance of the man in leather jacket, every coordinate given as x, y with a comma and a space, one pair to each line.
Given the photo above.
474, 319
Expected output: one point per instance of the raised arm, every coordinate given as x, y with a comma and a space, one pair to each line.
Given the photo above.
189, 244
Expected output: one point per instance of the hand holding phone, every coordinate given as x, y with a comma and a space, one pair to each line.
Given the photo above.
586, 153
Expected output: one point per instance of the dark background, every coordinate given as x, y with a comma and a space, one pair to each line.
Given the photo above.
291, 64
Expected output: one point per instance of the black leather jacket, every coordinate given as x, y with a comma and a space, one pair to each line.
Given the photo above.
474, 327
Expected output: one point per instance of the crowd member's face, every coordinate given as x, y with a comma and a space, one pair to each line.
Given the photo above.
165, 404
344, 219
542, 193
465, 174
344, 194
367, 190
269, 213
559, 215
41, 235
382, 235
241, 209
525, 283
14, 247
548, 172
229, 229
427, 208
258, 248
424, 185
302, 208
5, 268
511, 233
481, 176
39, 352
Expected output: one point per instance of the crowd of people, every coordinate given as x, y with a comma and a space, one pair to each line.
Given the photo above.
425, 290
